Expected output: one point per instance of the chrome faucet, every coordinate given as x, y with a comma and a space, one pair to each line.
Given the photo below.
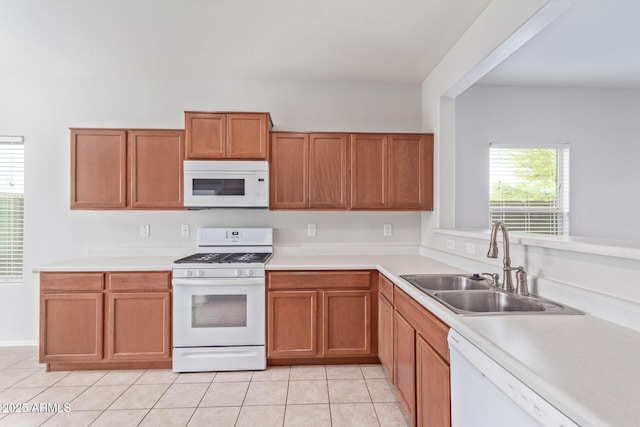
521, 275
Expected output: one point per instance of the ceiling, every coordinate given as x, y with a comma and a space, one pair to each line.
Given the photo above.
364, 40
595, 43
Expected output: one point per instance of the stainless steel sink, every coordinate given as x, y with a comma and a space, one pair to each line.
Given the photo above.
487, 302
472, 296
446, 282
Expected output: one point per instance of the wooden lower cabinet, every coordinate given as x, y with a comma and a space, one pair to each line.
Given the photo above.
291, 324
139, 326
385, 335
320, 317
433, 392
105, 320
420, 360
71, 327
404, 363
346, 323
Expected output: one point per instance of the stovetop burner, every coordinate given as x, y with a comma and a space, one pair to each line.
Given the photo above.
225, 258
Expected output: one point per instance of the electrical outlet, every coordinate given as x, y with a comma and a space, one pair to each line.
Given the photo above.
451, 244
388, 229
145, 230
185, 230
470, 248
311, 229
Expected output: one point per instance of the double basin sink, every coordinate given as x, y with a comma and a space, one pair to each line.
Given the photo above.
473, 296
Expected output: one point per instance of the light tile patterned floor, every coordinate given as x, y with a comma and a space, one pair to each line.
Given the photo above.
296, 396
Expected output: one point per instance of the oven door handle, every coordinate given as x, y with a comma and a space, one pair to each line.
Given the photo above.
244, 281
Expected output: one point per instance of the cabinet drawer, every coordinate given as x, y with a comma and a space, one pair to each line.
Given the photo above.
385, 287
426, 324
139, 281
62, 282
319, 280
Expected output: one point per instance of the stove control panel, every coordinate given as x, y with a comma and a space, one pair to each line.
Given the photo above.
217, 272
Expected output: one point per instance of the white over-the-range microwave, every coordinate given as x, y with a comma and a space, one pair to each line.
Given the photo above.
226, 184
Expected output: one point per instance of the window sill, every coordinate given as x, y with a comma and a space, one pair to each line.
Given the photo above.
11, 282
585, 245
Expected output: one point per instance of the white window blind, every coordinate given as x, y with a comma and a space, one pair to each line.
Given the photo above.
529, 188
11, 207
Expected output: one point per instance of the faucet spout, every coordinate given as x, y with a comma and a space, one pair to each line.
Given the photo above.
493, 252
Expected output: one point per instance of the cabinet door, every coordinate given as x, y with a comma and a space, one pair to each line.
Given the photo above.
328, 171
410, 172
433, 387
404, 363
385, 335
139, 326
368, 171
71, 327
289, 171
292, 323
98, 169
346, 323
205, 135
156, 168
247, 136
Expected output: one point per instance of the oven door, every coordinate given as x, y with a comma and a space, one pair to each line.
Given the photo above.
220, 189
218, 312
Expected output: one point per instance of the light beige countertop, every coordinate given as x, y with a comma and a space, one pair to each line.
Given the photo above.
110, 263
585, 366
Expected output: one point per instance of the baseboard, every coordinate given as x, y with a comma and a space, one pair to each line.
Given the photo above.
27, 343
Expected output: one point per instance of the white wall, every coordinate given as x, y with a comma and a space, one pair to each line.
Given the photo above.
601, 127
41, 107
601, 285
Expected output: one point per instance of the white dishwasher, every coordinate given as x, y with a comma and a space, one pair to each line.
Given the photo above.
484, 394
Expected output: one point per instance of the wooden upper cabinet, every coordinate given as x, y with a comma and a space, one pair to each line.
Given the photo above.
156, 168
219, 135
205, 135
289, 171
247, 135
392, 171
98, 168
328, 171
410, 172
368, 171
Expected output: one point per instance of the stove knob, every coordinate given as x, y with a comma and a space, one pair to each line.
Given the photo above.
200, 273
249, 272
189, 273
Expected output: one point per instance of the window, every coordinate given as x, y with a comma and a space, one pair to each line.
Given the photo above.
529, 188
11, 207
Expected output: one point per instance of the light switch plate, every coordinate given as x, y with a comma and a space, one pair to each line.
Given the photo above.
145, 230
388, 229
451, 244
470, 248
185, 230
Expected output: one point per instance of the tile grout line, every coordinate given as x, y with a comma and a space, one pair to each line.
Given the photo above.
159, 398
